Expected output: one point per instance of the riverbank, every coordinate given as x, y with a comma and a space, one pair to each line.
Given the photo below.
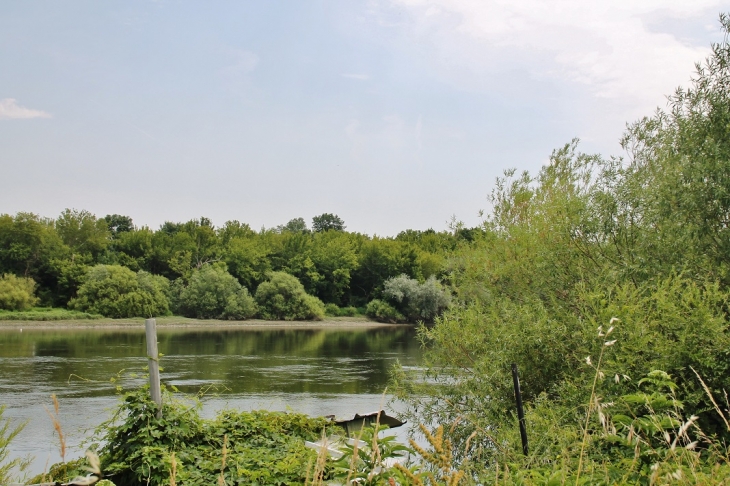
184, 322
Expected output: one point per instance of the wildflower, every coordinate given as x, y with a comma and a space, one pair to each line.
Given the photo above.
588, 361
609, 343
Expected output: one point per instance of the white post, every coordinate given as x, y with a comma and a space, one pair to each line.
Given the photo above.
150, 326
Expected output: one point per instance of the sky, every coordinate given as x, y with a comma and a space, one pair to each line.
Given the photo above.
392, 114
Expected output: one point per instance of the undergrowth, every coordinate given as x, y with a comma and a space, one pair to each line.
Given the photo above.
46, 314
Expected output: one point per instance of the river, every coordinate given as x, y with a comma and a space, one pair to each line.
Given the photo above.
326, 371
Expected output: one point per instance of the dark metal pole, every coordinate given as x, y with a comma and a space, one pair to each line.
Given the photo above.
520, 411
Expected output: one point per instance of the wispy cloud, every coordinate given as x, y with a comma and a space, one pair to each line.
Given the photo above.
11, 110
618, 49
359, 77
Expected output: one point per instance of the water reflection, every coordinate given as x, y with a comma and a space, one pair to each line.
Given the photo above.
319, 372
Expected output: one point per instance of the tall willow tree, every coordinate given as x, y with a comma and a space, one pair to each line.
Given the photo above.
645, 240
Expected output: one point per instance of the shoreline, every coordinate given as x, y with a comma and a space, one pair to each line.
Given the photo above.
185, 322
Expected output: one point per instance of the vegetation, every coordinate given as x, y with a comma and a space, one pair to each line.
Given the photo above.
17, 293
116, 291
346, 270
46, 314
213, 293
7, 433
283, 297
245, 448
407, 300
637, 246
606, 280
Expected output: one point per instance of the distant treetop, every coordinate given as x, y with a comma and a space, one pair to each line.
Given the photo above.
326, 222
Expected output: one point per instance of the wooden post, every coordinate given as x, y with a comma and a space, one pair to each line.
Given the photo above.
520, 411
150, 326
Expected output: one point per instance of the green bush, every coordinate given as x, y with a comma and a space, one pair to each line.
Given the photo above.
17, 293
261, 447
331, 310
335, 311
116, 291
282, 297
416, 301
46, 314
383, 312
213, 293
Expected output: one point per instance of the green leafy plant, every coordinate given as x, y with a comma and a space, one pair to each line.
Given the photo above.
260, 447
213, 293
282, 297
17, 293
116, 291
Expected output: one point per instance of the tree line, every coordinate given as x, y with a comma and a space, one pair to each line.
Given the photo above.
108, 266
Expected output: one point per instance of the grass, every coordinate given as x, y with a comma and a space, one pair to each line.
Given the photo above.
46, 314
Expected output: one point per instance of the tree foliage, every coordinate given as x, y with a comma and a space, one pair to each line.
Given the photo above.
411, 300
638, 244
327, 222
116, 291
282, 297
213, 293
17, 293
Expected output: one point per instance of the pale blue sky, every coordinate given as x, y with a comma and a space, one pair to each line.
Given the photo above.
392, 114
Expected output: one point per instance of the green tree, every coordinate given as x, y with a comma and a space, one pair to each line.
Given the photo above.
296, 225
116, 291
118, 224
17, 293
82, 232
213, 293
327, 222
334, 257
282, 297
248, 260
587, 240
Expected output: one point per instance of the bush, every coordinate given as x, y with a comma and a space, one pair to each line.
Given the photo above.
213, 293
416, 301
282, 297
116, 291
17, 293
335, 311
257, 447
383, 312
331, 310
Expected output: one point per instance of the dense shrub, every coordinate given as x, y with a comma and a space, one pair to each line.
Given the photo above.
282, 297
17, 293
213, 293
241, 448
383, 312
335, 311
413, 300
116, 291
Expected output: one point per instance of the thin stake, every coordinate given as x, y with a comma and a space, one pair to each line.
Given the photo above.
150, 326
520, 411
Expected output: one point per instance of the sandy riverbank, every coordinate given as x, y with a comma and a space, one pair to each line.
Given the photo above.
184, 322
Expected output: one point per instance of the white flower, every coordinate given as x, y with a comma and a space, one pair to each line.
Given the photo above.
609, 343
588, 360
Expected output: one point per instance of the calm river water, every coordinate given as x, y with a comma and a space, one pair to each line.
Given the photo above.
315, 371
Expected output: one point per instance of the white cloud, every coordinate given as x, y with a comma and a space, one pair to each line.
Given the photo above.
617, 49
359, 77
11, 110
